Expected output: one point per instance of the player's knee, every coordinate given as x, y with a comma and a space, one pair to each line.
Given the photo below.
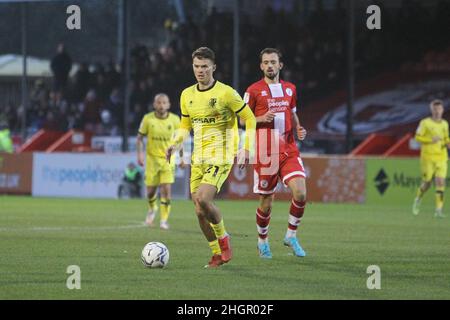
299, 195
198, 209
199, 212
203, 202
266, 205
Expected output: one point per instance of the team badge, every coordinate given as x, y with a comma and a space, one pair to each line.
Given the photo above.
212, 102
289, 92
264, 183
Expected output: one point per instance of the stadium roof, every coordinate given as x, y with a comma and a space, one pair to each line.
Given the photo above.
11, 65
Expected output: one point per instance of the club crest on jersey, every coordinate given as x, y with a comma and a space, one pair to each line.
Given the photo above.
289, 92
264, 183
212, 102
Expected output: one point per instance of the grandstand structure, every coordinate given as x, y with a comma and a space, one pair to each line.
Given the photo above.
396, 69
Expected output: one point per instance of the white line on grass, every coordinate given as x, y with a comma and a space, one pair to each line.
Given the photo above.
90, 228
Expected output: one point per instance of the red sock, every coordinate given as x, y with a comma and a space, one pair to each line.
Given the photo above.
295, 214
262, 223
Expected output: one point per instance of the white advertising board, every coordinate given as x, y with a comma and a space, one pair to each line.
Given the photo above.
88, 175
78, 174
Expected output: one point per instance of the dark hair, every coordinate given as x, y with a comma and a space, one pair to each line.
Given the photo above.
437, 102
204, 53
269, 51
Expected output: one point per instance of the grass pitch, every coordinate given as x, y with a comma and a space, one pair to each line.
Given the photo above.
41, 237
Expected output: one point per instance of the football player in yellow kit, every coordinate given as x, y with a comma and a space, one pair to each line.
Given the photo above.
159, 127
210, 108
433, 135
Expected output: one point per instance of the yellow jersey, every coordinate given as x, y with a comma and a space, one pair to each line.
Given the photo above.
427, 129
159, 132
212, 115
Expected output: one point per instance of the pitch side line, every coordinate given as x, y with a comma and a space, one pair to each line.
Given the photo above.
91, 228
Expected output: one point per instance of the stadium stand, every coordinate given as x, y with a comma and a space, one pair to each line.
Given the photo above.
315, 61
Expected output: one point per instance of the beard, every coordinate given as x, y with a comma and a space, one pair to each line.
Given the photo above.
271, 75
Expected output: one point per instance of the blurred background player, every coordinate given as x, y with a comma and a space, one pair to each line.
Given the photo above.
274, 103
433, 135
159, 127
211, 108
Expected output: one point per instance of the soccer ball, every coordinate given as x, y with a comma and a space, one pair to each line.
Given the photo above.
155, 255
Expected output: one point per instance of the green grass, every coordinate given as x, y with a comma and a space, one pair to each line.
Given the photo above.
40, 237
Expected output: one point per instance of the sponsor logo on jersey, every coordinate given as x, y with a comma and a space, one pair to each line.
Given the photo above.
204, 120
161, 139
272, 103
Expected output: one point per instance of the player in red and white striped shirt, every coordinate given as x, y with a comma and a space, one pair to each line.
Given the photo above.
274, 102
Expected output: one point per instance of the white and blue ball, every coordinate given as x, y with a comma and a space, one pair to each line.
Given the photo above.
155, 255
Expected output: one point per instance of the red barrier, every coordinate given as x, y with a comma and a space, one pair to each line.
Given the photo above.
374, 144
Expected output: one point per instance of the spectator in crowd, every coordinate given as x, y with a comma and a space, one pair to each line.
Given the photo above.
61, 65
315, 60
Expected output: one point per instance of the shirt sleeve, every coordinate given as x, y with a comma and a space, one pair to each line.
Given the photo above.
294, 100
235, 102
250, 128
421, 133
143, 127
447, 138
250, 99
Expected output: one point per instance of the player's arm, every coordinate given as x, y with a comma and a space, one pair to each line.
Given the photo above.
250, 100
182, 164
182, 132
301, 131
248, 118
142, 132
447, 136
421, 135
140, 149
246, 115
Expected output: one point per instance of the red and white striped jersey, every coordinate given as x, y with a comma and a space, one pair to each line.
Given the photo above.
277, 136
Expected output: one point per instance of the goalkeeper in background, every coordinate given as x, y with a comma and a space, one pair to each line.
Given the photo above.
433, 135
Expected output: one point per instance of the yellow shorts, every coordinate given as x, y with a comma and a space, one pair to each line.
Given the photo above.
433, 168
159, 171
209, 174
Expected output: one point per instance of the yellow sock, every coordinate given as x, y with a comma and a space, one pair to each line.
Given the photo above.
165, 209
219, 229
152, 205
439, 198
215, 248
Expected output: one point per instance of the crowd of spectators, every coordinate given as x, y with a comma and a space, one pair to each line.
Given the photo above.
314, 57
